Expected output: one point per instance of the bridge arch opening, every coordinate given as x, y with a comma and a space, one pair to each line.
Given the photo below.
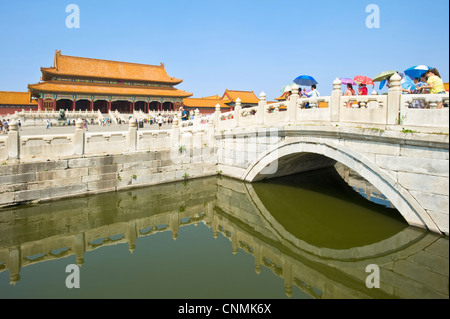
322, 209
297, 157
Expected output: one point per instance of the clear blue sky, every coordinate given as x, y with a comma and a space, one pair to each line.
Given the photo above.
255, 45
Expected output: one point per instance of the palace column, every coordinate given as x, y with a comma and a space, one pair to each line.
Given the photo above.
147, 107
132, 107
74, 105
40, 104
108, 107
91, 105
54, 105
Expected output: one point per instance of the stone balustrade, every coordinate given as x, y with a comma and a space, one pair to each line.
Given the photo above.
389, 111
384, 112
15, 147
38, 118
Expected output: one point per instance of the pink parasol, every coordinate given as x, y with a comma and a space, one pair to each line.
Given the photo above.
346, 81
361, 79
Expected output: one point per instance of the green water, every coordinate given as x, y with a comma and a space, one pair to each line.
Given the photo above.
298, 237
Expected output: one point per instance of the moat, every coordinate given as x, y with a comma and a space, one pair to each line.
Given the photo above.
303, 236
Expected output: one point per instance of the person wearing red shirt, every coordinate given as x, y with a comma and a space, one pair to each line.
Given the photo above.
362, 89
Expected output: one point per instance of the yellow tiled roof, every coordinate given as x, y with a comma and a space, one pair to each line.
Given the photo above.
212, 97
204, 102
244, 96
16, 98
282, 97
95, 68
71, 87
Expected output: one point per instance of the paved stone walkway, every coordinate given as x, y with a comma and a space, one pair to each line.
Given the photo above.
55, 130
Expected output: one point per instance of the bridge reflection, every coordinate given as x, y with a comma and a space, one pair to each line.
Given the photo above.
36, 234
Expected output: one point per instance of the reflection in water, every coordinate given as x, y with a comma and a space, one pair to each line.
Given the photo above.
304, 236
361, 186
320, 208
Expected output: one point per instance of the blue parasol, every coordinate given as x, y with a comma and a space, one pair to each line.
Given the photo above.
416, 71
407, 83
305, 80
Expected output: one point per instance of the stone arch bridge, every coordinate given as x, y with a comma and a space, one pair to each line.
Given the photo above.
403, 151
412, 173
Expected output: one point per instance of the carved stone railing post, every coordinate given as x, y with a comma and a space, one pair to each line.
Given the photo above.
261, 108
292, 104
237, 112
13, 141
373, 104
335, 100
393, 103
175, 134
132, 135
197, 119
78, 140
210, 133
217, 116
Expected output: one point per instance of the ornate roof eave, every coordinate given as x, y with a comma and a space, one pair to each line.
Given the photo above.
34, 89
52, 71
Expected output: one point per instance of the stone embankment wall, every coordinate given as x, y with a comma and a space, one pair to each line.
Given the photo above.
40, 181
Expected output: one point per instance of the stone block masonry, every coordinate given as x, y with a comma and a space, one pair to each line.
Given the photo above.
23, 183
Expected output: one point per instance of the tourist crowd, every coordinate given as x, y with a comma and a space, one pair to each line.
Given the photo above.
430, 82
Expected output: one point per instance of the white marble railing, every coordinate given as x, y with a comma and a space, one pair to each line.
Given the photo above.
3, 148
394, 111
420, 110
378, 111
38, 118
369, 109
14, 146
105, 142
153, 140
45, 146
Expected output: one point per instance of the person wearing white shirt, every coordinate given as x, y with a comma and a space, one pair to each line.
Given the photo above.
159, 120
312, 93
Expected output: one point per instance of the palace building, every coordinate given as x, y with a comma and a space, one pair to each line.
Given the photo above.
11, 102
78, 83
206, 105
248, 98
227, 102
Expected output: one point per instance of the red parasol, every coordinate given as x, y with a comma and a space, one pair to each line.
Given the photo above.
361, 79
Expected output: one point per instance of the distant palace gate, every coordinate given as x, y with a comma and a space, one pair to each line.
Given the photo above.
76, 83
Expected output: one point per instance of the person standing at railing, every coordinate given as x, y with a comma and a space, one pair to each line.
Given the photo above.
313, 93
288, 95
423, 81
434, 84
362, 90
349, 92
417, 104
